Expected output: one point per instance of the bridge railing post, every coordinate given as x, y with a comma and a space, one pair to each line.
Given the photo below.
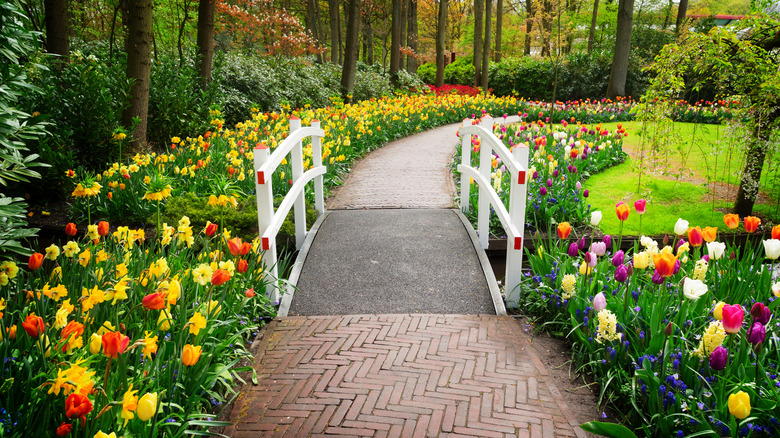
518, 195
299, 207
465, 180
316, 161
265, 214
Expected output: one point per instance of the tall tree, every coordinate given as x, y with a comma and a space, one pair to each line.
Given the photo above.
205, 40
593, 21
486, 49
441, 36
411, 61
138, 46
395, 40
312, 7
335, 30
682, 9
479, 7
404, 23
57, 28
547, 21
350, 50
619, 73
368, 40
499, 29
529, 26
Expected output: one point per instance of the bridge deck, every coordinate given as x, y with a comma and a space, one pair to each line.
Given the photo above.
392, 261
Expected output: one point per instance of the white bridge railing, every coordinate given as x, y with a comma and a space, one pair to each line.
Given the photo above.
269, 221
512, 219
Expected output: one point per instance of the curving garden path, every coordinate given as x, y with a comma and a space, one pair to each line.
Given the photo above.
371, 355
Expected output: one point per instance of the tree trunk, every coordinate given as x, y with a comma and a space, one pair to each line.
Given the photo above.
617, 77
205, 40
751, 174
350, 51
395, 41
341, 39
404, 22
479, 9
441, 35
57, 28
311, 22
180, 39
529, 26
486, 49
593, 22
411, 61
369, 42
333, 12
682, 9
668, 14
499, 29
546, 27
139, 62
321, 40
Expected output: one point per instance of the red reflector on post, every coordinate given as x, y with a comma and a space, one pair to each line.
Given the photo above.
266, 244
521, 177
260, 177
518, 243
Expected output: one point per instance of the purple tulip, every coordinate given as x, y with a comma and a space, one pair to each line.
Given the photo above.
581, 244
677, 245
719, 358
555, 174
706, 258
621, 274
535, 175
677, 266
657, 279
618, 258
607, 239
573, 250
599, 248
760, 313
585, 193
549, 182
543, 190
599, 302
756, 333
630, 269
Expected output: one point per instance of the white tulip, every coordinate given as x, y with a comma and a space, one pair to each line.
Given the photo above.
693, 289
716, 249
595, 218
772, 248
681, 227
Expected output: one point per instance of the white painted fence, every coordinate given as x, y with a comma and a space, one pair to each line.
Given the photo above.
512, 219
270, 221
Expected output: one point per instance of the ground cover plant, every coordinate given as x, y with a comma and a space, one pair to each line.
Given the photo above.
117, 333
680, 335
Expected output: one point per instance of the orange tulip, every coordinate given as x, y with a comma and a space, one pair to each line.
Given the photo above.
219, 277
622, 211
70, 229
154, 301
33, 325
564, 229
752, 223
114, 343
242, 266
731, 221
36, 260
710, 233
190, 355
664, 264
77, 405
102, 228
776, 232
73, 328
210, 229
695, 237
245, 248
234, 245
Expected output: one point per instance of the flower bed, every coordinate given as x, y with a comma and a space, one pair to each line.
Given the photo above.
113, 333
681, 337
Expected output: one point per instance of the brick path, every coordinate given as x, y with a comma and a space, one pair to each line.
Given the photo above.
400, 375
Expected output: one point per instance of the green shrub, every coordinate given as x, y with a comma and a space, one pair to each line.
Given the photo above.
427, 72
460, 72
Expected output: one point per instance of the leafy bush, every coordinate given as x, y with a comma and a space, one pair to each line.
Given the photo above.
460, 72
427, 72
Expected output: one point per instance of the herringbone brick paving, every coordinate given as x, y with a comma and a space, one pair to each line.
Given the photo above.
400, 375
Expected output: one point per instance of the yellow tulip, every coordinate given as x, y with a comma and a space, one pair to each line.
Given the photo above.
164, 321
717, 313
190, 355
739, 405
147, 406
95, 343
102, 434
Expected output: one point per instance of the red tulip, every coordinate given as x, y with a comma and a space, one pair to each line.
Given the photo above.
77, 405
155, 301
622, 211
242, 266
752, 223
249, 293
64, 429
776, 232
211, 229
102, 228
234, 245
219, 277
733, 316
640, 206
245, 248
695, 236
114, 343
70, 229
36, 260
33, 325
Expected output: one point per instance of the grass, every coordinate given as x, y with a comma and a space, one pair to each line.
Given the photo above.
698, 153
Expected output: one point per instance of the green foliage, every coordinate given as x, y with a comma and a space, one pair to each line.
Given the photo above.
427, 72
16, 126
610, 430
460, 72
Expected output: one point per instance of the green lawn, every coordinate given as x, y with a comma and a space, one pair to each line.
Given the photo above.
698, 153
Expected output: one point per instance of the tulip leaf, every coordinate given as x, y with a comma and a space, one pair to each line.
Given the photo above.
611, 430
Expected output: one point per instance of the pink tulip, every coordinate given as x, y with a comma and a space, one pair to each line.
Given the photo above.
639, 206
732, 318
599, 302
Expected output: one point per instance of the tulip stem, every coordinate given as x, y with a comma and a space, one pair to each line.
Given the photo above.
620, 236
105, 378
